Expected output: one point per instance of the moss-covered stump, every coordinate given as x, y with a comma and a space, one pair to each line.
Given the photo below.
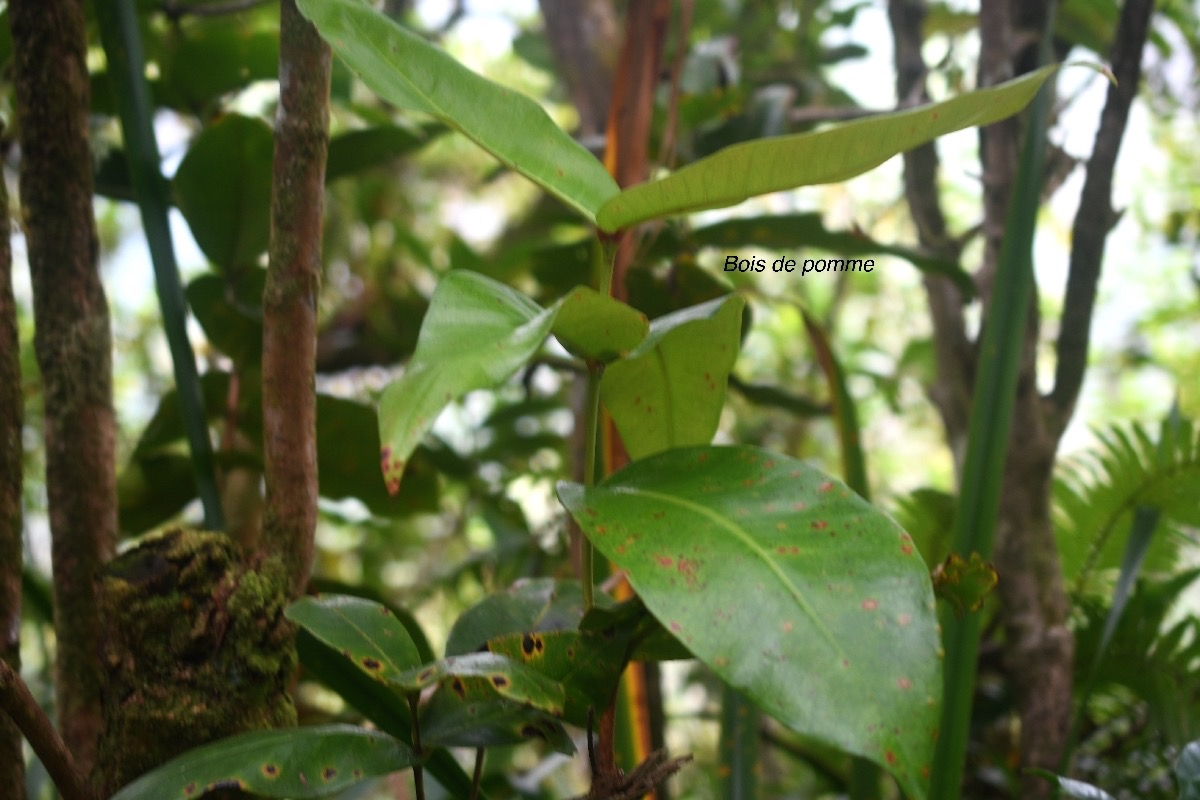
196, 649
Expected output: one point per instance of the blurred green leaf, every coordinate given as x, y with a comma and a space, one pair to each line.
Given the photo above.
366, 633
223, 189
355, 151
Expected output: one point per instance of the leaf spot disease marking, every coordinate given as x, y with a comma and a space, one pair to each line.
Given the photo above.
787, 627
665, 561
788, 550
459, 688
357, 773
371, 664
826, 486
328, 773
531, 644
891, 757
903, 620
500, 681
820, 524
270, 770
425, 674
190, 789
904, 683
870, 604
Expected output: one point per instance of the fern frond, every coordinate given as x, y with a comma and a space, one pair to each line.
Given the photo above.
1096, 494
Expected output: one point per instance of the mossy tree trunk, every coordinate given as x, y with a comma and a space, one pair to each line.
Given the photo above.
72, 340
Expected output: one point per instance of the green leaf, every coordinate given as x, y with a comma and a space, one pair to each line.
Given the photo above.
223, 189
202, 59
506, 677
476, 334
366, 633
355, 151
230, 312
528, 606
286, 763
964, 583
1187, 772
406, 70
789, 585
467, 712
1074, 788
830, 155
669, 392
596, 326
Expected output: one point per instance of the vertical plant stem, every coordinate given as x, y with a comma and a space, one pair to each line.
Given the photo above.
477, 774
591, 433
123, 49
738, 767
290, 297
72, 340
414, 702
987, 444
12, 420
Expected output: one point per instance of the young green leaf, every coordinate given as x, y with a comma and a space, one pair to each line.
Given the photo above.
789, 585
365, 632
830, 155
286, 763
406, 70
670, 390
476, 334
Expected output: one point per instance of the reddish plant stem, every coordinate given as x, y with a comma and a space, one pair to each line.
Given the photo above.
290, 297
18, 704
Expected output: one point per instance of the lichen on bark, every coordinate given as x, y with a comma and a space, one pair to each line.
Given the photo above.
196, 648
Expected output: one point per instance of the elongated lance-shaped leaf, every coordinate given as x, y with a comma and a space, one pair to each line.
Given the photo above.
507, 678
830, 155
670, 391
406, 70
365, 632
790, 586
478, 333
286, 763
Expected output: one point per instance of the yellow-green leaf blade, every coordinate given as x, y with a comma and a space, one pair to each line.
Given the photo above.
834, 154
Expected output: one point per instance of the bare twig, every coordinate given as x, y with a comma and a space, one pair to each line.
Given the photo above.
175, 10
20, 705
1095, 215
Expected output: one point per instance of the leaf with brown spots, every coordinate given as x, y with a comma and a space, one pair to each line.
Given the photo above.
273, 764
789, 585
364, 632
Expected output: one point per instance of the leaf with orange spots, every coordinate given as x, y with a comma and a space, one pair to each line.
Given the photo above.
669, 392
789, 585
964, 583
294, 763
365, 632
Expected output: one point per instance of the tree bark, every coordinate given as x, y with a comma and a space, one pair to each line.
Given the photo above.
72, 340
12, 414
290, 297
584, 37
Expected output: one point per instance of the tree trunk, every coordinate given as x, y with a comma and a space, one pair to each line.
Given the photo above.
72, 340
12, 408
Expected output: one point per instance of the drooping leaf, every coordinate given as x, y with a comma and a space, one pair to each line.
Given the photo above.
478, 333
223, 189
406, 70
787, 584
830, 155
286, 763
670, 390
528, 606
366, 633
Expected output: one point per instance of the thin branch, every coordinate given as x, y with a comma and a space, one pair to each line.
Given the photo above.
290, 297
176, 10
20, 705
1095, 216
